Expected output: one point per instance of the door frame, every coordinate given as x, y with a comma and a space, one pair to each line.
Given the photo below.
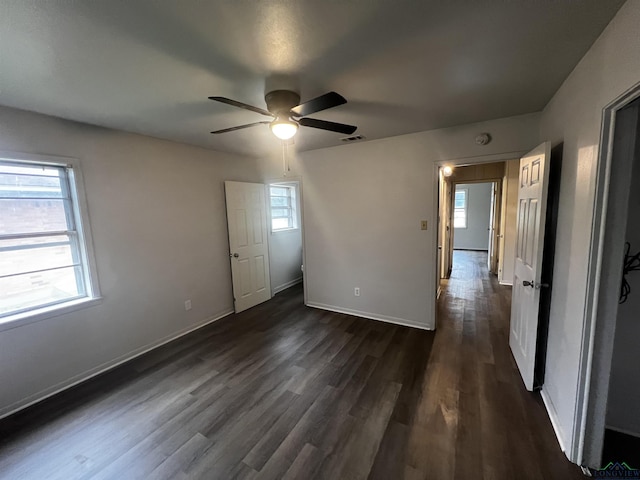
495, 226
612, 184
297, 179
495, 183
493, 236
457, 162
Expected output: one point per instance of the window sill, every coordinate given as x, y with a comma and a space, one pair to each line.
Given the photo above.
44, 313
284, 230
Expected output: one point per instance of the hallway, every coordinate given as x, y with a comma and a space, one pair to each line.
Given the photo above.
498, 428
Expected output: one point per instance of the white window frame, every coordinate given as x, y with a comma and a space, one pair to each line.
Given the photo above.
464, 209
84, 239
293, 207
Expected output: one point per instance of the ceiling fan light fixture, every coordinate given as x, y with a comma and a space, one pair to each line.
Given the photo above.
286, 116
283, 129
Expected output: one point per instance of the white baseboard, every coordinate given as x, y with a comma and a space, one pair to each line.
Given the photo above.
83, 377
284, 286
370, 316
553, 416
439, 292
509, 284
623, 430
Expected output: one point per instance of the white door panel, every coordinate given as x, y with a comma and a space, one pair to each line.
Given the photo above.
525, 300
247, 224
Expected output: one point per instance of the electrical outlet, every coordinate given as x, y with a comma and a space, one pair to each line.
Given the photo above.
187, 305
356, 291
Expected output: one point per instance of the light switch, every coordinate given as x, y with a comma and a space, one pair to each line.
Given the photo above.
423, 225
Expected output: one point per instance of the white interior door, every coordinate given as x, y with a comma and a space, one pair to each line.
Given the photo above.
532, 205
491, 229
503, 225
494, 227
449, 230
444, 227
249, 252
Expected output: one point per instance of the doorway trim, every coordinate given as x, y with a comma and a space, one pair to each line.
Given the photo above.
455, 162
297, 180
495, 183
599, 328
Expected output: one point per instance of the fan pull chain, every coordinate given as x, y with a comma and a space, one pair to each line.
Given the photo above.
285, 157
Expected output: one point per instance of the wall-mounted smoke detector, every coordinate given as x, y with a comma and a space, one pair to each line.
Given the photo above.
353, 138
483, 139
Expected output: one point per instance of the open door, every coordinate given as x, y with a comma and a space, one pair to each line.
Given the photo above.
445, 242
525, 300
249, 252
494, 227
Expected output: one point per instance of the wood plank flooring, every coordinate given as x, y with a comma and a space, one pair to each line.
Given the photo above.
288, 392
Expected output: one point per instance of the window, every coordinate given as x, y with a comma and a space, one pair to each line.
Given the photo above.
460, 208
43, 257
283, 206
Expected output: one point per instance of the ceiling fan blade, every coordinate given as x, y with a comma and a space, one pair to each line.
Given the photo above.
240, 127
328, 100
235, 103
331, 126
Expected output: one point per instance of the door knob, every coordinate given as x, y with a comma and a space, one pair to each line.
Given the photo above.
235, 255
527, 283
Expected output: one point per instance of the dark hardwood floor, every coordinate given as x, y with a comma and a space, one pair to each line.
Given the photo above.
288, 392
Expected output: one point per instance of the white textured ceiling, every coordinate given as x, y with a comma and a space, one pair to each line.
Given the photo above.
148, 66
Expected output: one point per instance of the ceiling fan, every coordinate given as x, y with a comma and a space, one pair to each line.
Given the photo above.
287, 113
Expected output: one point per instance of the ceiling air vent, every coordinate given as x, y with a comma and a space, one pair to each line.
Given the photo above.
353, 138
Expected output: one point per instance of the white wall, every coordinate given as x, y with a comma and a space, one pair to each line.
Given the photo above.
574, 116
476, 235
158, 220
623, 407
285, 250
363, 204
508, 220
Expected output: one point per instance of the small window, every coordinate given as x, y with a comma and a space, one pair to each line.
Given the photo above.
43, 257
283, 200
460, 208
